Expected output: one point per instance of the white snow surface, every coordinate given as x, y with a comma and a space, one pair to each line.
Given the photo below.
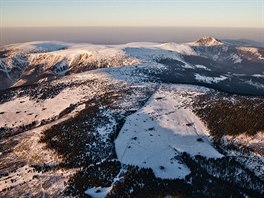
252, 50
101, 192
202, 67
258, 75
207, 41
27, 174
37, 46
98, 192
255, 84
179, 48
154, 136
236, 58
82, 55
208, 79
63, 56
22, 111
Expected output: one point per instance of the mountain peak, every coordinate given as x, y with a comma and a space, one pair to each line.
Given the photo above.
207, 41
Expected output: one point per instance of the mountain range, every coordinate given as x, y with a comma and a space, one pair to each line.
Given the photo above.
132, 120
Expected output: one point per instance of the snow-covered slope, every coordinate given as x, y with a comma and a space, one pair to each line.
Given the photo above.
207, 41
131, 120
165, 127
36, 62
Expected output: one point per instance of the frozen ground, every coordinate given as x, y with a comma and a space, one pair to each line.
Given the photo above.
154, 136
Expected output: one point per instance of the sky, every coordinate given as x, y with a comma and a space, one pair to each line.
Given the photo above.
122, 21
199, 13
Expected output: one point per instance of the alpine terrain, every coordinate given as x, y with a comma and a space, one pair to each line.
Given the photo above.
132, 120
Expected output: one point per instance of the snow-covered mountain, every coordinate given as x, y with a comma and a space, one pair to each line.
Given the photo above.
132, 120
206, 58
207, 41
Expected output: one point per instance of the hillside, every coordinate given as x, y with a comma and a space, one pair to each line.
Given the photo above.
132, 120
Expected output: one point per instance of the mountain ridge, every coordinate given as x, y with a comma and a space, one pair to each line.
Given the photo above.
207, 41
35, 62
132, 120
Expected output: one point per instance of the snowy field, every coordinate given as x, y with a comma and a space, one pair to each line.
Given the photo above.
154, 136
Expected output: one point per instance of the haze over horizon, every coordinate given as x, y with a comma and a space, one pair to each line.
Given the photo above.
115, 21
120, 35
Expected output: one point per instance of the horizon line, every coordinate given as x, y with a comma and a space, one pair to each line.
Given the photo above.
131, 27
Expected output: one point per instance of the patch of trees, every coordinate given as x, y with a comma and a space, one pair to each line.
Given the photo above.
227, 114
223, 177
81, 146
170, 62
37, 92
8, 132
139, 182
99, 175
208, 178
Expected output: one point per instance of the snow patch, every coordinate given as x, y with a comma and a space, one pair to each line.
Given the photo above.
101, 192
179, 48
236, 58
251, 50
202, 67
98, 192
210, 80
29, 175
207, 41
108, 128
255, 84
258, 75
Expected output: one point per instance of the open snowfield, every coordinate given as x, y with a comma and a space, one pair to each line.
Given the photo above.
154, 136
23, 110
